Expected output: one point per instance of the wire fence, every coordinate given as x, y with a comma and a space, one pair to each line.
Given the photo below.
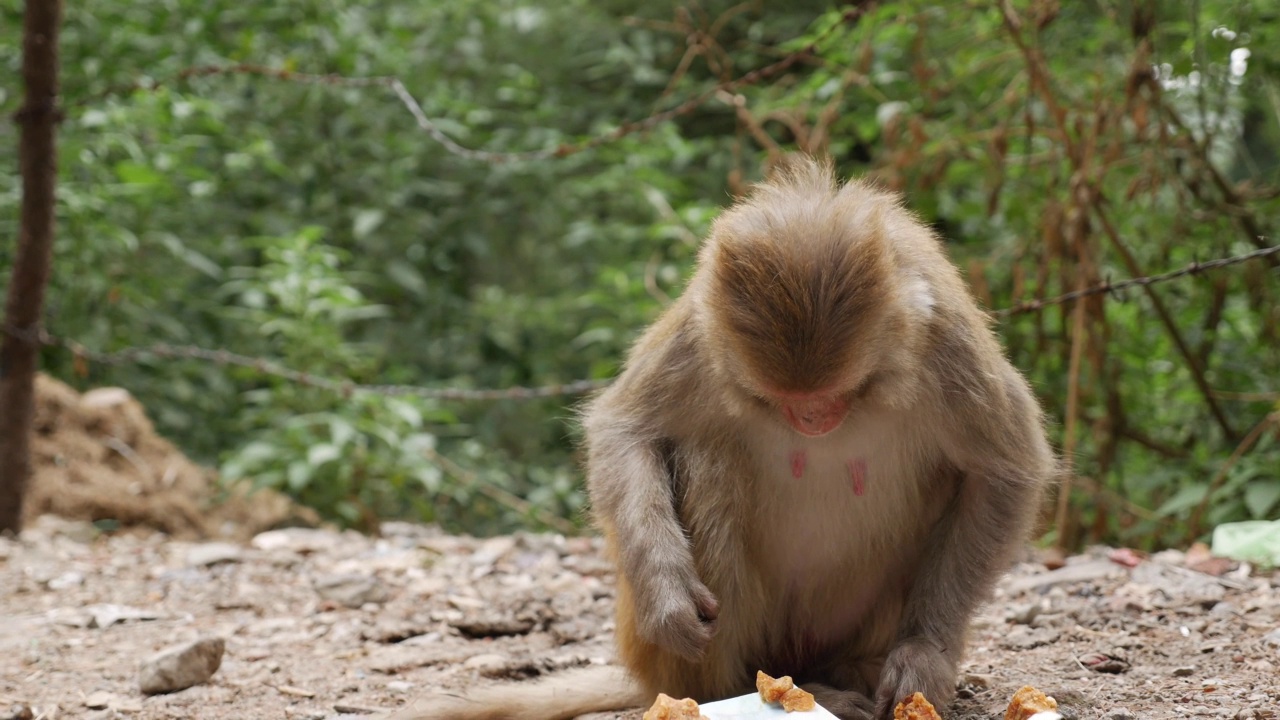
347, 388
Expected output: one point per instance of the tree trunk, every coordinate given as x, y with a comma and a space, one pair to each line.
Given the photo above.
19, 344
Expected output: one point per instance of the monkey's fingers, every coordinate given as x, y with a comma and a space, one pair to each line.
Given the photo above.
708, 606
914, 666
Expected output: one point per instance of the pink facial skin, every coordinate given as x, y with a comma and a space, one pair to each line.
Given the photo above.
814, 414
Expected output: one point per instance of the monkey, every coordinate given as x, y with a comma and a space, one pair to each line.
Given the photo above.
816, 462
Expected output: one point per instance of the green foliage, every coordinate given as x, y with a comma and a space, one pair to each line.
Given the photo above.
319, 226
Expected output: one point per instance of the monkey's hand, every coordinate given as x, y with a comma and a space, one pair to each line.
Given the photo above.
915, 665
677, 612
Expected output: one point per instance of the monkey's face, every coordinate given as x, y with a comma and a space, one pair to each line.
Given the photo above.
814, 414
799, 331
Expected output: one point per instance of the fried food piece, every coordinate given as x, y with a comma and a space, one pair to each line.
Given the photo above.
1027, 702
772, 690
669, 708
797, 700
915, 708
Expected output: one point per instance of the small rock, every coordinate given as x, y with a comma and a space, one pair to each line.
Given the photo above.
1224, 608
181, 666
104, 397
303, 541
1184, 671
1086, 571
17, 711
66, 580
99, 700
1105, 663
1024, 614
213, 553
1024, 638
126, 705
295, 691
351, 590
488, 661
1272, 638
106, 615
399, 686
1119, 714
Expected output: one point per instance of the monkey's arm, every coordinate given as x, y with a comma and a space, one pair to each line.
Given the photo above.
994, 435
632, 496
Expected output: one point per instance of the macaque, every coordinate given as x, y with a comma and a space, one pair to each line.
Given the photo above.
816, 463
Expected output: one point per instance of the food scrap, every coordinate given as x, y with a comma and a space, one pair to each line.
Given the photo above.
915, 707
1029, 701
771, 689
797, 700
783, 690
669, 708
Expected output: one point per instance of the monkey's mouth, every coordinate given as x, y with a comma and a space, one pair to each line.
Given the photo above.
815, 416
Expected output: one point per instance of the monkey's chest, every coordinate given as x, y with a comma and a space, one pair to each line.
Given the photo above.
841, 517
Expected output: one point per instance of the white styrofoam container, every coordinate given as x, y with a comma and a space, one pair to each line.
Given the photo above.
753, 707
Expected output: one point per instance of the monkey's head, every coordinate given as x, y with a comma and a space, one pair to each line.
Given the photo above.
802, 303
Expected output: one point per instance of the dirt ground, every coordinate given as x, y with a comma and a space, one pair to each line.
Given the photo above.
322, 624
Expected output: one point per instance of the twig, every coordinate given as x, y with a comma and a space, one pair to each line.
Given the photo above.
1078, 336
1197, 372
1193, 525
1194, 268
347, 388
406, 98
128, 453
511, 500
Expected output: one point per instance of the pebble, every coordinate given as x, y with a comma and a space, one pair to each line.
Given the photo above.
99, 700
181, 666
488, 661
351, 590
206, 554
67, 580
1184, 671
1272, 638
399, 686
1119, 714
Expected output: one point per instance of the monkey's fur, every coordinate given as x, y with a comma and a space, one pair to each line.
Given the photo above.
850, 558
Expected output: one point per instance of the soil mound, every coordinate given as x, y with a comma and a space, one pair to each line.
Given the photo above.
97, 456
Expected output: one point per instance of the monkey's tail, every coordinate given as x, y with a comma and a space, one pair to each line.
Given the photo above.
558, 696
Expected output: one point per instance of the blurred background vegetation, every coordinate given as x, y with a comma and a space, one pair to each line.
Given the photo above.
1053, 146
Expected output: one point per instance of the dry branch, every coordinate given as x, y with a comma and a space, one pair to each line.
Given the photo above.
37, 158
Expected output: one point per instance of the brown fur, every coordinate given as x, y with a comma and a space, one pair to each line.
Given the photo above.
728, 562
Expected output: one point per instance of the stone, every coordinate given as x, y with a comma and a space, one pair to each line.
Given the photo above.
351, 590
399, 686
1086, 571
487, 661
99, 700
212, 553
105, 615
181, 666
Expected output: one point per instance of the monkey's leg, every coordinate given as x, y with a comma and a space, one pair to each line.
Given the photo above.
968, 550
716, 675
848, 689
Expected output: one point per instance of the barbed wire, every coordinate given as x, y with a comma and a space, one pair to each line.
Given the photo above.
432, 129
347, 388
1194, 268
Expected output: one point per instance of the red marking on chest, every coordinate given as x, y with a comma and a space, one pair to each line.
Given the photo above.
799, 458
858, 474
